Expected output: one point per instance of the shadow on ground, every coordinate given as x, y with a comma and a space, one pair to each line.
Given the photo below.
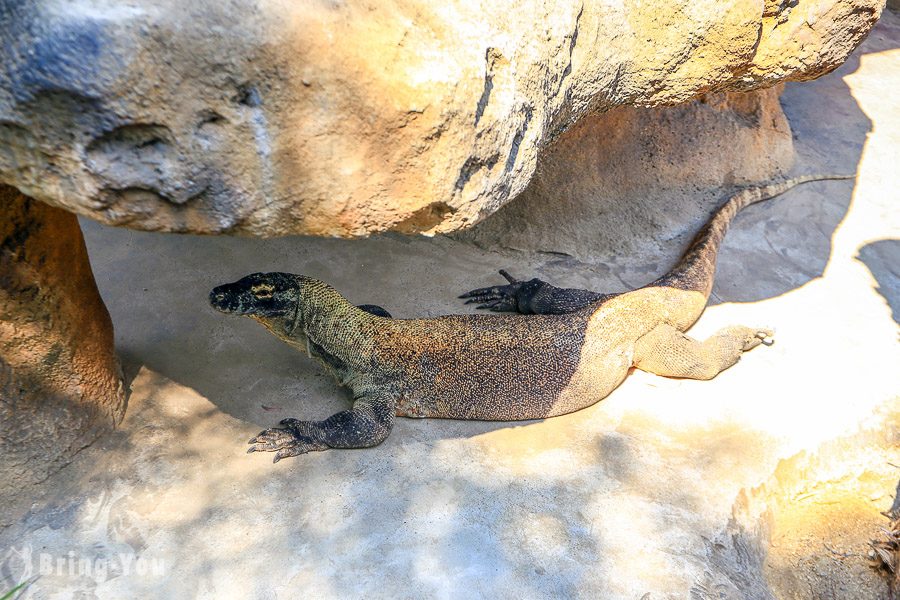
883, 260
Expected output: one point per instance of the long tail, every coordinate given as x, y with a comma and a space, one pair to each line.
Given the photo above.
697, 267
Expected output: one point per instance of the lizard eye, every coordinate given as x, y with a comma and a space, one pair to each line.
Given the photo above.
263, 292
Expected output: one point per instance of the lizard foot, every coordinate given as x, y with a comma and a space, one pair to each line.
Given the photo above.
496, 298
284, 442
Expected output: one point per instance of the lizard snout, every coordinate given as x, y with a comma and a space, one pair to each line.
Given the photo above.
218, 299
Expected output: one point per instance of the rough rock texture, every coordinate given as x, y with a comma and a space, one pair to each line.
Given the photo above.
654, 171
822, 510
349, 118
60, 382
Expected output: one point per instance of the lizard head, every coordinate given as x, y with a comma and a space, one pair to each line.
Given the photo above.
258, 294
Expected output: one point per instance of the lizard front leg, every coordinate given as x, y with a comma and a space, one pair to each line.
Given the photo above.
534, 297
668, 352
367, 424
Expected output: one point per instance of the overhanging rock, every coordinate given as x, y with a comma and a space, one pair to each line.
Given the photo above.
351, 118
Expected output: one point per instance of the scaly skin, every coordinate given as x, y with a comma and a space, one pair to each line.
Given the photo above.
568, 350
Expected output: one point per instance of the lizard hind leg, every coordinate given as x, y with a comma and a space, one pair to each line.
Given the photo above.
534, 297
498, 297
668, 352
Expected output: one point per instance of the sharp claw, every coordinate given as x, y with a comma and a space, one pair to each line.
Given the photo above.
253, 440
507, 276
276, 459
289, 452
765, 337
251, 450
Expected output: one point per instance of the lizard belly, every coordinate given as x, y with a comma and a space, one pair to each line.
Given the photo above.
496, 374
607, 352
597, 375
508, 391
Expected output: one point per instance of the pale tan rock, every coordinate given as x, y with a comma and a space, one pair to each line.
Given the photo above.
352, 118
623, 182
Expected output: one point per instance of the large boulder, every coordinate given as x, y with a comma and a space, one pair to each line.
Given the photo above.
350, 118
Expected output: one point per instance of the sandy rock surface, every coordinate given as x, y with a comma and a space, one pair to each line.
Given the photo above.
349, 118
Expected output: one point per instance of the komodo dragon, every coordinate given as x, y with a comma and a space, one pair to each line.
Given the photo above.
567, 350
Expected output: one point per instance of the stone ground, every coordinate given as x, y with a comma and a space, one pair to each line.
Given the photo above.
666, 489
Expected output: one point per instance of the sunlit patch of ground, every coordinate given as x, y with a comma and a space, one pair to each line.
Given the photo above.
825, 508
